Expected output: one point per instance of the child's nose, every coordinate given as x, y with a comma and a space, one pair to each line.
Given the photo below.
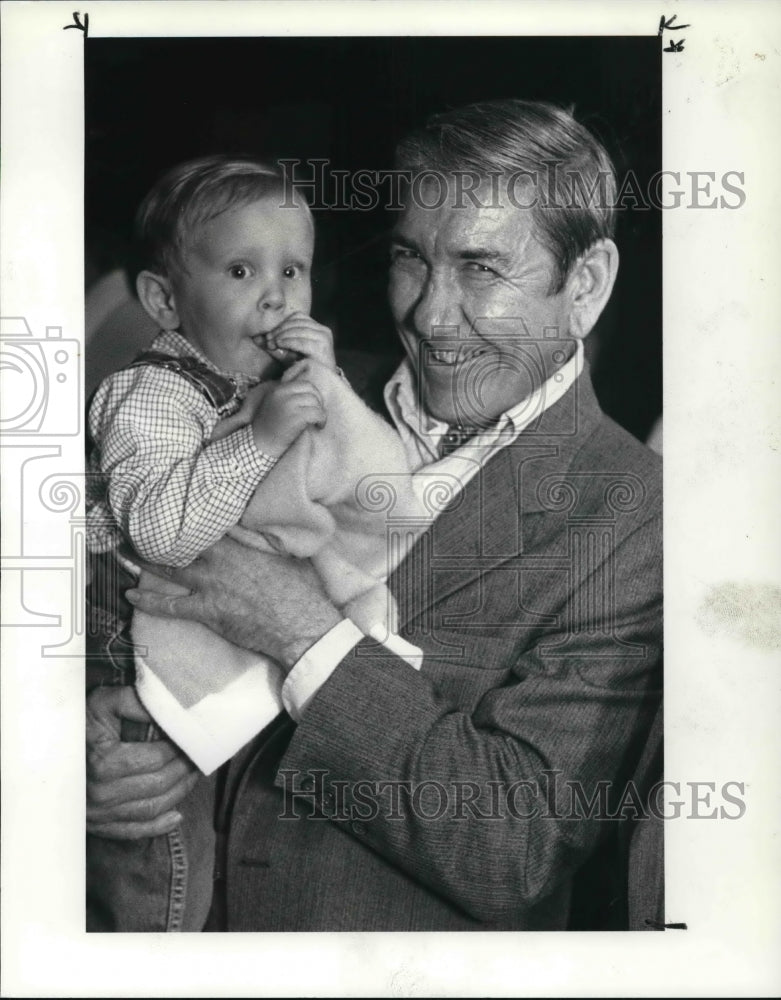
273, 296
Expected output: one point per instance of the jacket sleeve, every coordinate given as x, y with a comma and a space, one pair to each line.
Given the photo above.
500, 803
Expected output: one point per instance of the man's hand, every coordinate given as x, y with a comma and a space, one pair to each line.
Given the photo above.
132, 788
268, 603
300, 334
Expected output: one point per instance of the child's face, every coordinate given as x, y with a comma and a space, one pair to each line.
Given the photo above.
247, 269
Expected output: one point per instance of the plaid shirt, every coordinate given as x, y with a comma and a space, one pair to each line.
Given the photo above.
154, 478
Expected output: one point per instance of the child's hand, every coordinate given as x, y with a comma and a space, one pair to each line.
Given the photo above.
285, 410
301, 334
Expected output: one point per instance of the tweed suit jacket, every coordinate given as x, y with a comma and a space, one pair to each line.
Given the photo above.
448, 798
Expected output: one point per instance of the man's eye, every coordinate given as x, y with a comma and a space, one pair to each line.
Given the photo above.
481, 269
402, 254
239, 271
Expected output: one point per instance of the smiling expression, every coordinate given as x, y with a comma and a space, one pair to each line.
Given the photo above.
469, 292
246, 270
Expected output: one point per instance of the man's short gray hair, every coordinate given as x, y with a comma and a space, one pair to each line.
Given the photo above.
575, 179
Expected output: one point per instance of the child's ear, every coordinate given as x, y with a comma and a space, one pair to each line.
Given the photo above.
157, 298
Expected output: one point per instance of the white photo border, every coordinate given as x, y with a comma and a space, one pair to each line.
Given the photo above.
722, 535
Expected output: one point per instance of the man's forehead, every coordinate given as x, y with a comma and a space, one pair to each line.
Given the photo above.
493, 222
468, 187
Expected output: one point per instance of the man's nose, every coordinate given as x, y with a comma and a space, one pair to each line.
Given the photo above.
272, 296
436, 306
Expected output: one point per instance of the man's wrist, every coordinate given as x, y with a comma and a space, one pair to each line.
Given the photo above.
326, 618
316, 666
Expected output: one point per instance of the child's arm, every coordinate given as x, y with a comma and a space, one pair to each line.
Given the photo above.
172, 493
284, 411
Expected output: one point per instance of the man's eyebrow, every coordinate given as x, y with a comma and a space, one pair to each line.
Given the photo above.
401, 239
466, 253
483, 253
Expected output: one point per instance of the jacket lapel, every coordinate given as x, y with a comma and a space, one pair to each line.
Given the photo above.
484, 526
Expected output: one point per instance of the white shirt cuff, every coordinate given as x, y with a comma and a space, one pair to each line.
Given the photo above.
319, 662
316, 666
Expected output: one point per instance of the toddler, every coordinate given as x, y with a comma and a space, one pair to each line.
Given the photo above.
183, 440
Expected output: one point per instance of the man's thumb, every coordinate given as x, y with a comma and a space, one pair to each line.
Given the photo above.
121, 702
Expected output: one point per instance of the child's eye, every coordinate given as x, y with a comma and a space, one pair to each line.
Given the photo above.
292, 271
239, 271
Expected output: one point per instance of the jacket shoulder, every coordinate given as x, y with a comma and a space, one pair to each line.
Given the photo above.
600, 475
612, 449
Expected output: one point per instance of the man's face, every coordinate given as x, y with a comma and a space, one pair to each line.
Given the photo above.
469, 294
246, 270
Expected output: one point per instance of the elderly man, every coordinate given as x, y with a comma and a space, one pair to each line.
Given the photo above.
469, 793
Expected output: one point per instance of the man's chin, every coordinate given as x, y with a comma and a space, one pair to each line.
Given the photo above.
431, 401
441, 409
439, 402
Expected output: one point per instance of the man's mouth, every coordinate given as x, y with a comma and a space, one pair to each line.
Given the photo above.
448, 356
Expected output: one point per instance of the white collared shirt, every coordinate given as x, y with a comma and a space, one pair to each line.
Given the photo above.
421, 435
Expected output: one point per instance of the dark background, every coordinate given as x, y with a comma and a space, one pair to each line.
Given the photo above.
153, 102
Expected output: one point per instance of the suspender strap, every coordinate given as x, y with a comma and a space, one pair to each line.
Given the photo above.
219, 390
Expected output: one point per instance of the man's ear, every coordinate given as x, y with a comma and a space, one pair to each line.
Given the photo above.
590, 284
157, 298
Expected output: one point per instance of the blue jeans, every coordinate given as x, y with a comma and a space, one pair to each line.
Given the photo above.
157, 883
